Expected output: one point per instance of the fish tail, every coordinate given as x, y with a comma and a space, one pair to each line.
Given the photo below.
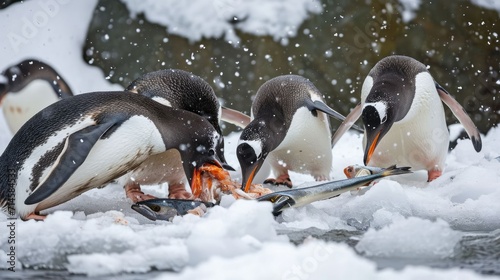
393, 170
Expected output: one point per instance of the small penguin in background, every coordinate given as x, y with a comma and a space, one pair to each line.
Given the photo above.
27, 88
289, 129
182, 90
88, 140
404, 119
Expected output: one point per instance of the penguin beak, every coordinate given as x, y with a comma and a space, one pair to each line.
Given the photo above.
227, 167
248, 175
224, 164
3, 90
371, 144
194, 173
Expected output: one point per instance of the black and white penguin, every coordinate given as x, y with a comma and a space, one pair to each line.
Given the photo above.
404, 119
182, 90
86, 141
27, 88
289, 129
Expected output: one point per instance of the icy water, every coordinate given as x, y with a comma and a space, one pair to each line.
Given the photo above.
476, 251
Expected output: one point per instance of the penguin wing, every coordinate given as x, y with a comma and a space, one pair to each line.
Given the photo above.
75, 151
347, 123
234, 117
318, 105
462, 116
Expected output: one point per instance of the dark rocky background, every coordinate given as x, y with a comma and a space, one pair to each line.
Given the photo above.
334, 49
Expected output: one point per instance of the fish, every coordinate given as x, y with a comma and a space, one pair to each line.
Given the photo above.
166, 209
357, 170
282, 200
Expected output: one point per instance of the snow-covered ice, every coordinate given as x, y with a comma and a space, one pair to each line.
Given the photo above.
98, 234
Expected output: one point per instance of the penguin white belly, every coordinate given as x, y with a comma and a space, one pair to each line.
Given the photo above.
306, 147
158, 169
19, 107
419, 140
130, 144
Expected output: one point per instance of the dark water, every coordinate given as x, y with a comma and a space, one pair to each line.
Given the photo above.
334, 49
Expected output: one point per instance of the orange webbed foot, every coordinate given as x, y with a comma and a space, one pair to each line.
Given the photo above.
134, 193
281, 180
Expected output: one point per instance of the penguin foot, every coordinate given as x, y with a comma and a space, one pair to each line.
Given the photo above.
34, 216
178, 191
281, 180
134, 193
433, 174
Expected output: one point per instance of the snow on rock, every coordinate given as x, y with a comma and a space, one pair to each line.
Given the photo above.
54, 32
488, 4
404, 239
197, 19
409, 9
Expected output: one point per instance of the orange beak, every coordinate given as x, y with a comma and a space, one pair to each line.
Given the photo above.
369, 153
248, 181
196, 183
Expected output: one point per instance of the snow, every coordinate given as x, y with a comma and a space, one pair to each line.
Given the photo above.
97, 233
197, 19
404, 238
409, 9
53, 32
488, 4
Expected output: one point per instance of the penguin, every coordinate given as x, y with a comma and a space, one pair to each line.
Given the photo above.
289, 130
28, 87
182, 90
88, 140
403, 116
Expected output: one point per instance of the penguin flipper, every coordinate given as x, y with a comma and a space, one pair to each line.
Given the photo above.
462, 116
347, 123
234, 117
318, 105
75, 151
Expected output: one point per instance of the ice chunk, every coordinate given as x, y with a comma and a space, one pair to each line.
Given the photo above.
410, 238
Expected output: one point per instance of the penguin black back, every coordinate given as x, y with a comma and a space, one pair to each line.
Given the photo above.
176, 127
182, 90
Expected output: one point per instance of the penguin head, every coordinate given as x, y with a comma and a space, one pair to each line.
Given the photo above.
257, 140
208, 150
378, 119
251, 157
22, 74
180, 89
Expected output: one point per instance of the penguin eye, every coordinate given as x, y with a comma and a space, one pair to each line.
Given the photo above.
211, 152
384, 119
246, 153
